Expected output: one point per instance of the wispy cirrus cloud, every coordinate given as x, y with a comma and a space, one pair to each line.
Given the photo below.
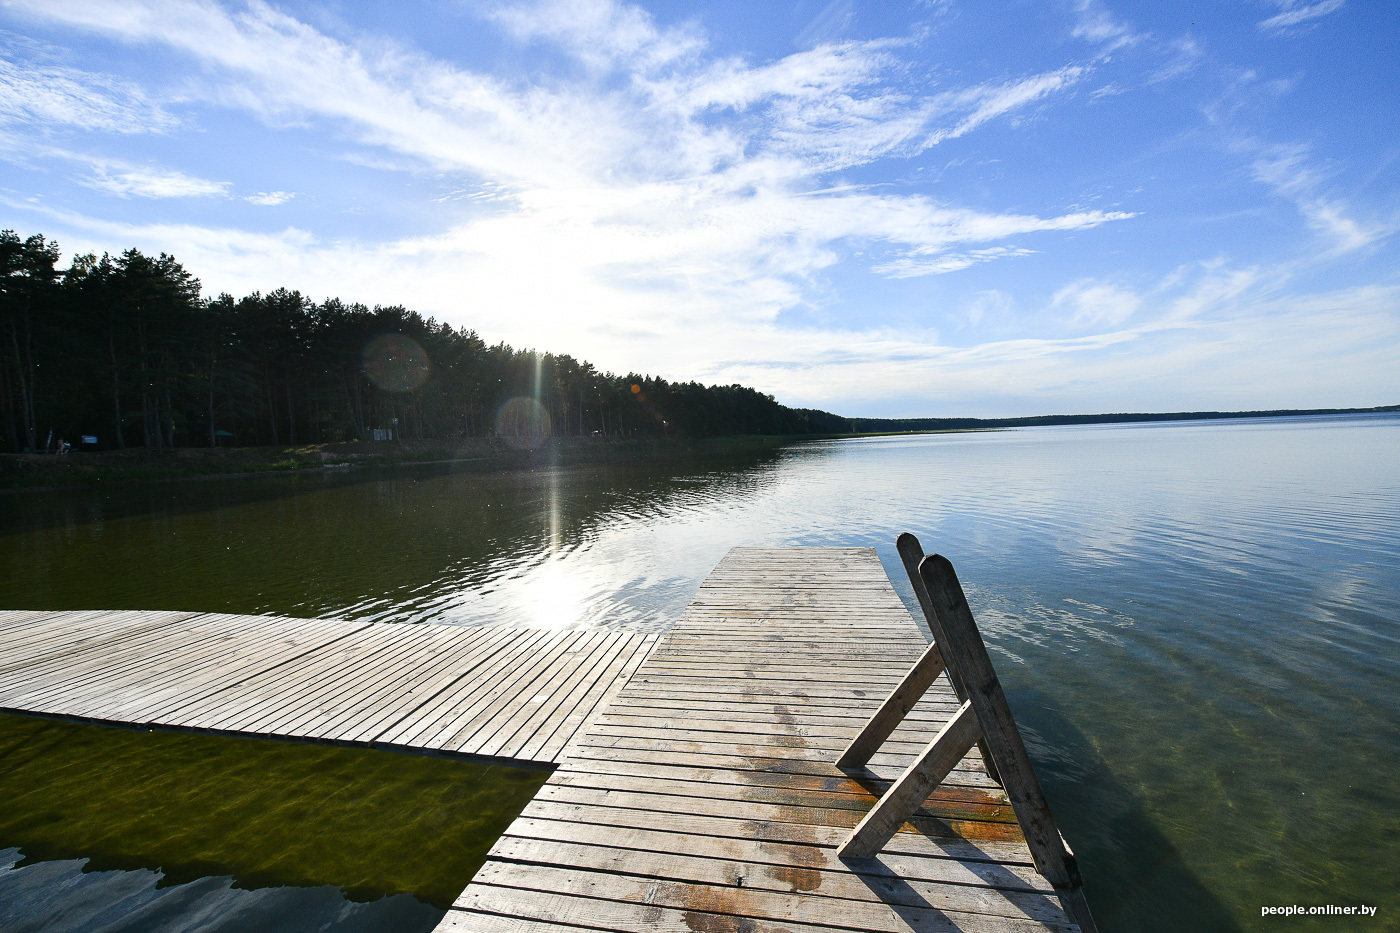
126, 180
643, 164
989, 101
906, 267
1096, 303
1295, 16
1095, 24
269, 198
599, 34
41, 95
1290, 172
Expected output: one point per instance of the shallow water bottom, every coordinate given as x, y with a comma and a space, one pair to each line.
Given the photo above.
115, 829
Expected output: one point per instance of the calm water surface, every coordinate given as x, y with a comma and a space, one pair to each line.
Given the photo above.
1196, 622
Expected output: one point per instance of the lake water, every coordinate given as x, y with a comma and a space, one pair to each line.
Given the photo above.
1196, 622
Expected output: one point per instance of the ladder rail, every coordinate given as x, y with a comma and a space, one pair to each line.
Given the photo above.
984, 719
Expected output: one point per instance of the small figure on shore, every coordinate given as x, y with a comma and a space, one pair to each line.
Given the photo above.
63, 446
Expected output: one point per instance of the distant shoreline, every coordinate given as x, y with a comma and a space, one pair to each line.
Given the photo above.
137, 465
920, 425
134, 466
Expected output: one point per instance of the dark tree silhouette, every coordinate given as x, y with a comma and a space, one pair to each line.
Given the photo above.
126, 349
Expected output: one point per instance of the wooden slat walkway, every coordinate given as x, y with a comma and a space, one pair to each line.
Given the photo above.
706, 799
514, 695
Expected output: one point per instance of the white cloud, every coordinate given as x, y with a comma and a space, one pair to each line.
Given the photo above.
149, 182
1096, 303
1294, 16
635, 186
599, 32
46, 96
1290, 172
1096, 24
828, 25
1214, 338
989, 302
909, 266
269, 198
990, 101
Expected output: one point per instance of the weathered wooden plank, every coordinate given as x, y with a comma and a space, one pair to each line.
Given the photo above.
643, 897
797, 752
614, 677
44, 639
569, 691
225, 641
813, 723
909, 691
829, 816
259, 700
695, 780
952, 865
337, 704
255, 652
496, 723
949, 802
429, 727
40, 641
567, 694
703, 863
880, 768
1001, 849
465, 723
58, 677
454, 657
316, 679
935, 707
264, 650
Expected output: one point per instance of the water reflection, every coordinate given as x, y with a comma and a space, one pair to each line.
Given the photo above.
548, 547
69, 897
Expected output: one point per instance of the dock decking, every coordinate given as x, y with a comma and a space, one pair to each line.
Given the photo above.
706, 797
513, 695
696, 789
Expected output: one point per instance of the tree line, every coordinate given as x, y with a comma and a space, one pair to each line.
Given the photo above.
127, 349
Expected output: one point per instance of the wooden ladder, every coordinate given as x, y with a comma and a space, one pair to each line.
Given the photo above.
983, 719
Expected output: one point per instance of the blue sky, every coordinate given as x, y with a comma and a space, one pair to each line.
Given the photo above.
936, 208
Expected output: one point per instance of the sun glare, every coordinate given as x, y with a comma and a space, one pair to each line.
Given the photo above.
557, 597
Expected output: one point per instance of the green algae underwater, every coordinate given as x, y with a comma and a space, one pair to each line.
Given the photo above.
373, 824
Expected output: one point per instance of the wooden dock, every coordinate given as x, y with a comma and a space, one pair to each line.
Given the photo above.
697, 787
517, 696
706, 797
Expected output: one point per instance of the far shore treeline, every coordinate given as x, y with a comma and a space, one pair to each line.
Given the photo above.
127, 349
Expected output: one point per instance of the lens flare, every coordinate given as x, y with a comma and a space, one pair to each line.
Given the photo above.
396, 363
523, 423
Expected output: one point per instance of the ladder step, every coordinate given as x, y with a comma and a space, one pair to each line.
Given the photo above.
941, 755
892, 712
